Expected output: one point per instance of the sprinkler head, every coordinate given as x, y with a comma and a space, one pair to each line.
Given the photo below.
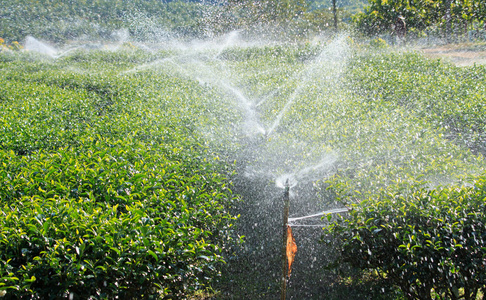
287, 189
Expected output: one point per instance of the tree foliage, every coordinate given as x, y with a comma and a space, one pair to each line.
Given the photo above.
268, 12
58, 21
380, 15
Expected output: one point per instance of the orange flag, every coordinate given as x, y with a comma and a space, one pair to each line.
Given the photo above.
291, 248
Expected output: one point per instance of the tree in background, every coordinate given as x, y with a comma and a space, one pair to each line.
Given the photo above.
382, 14
254, 14
451, 16
334, 12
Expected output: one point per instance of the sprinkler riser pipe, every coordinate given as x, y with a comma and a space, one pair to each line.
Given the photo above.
284, 238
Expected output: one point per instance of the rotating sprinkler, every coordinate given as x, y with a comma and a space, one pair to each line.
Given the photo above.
289, 248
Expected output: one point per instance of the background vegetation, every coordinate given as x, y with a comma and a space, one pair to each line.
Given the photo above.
153, 20
438, 17
61, 21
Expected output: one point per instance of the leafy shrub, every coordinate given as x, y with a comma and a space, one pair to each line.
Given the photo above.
379, 43
140, 133
108, 221
449, 97
416, 235
429, 243
107, 190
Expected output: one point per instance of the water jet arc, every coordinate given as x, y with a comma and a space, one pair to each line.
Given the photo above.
331, 211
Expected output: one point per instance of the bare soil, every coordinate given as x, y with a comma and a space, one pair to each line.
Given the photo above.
466, 54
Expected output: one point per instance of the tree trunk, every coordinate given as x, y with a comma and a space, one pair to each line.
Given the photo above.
448, 20
334, 11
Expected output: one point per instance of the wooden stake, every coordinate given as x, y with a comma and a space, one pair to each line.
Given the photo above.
284, 240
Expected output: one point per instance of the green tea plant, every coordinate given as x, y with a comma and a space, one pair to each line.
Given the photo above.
429, 244
389, 121
117, 167
114, 212
446, 96
417, 215
106, 188
342, 127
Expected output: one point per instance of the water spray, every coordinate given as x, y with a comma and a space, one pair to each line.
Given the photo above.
331, 211
289, 247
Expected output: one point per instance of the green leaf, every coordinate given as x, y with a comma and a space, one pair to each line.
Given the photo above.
153, 255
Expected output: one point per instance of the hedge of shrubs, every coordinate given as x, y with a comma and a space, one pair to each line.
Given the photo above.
441, 94
370, 125
107, 189
117, 165
423, 234
429, 243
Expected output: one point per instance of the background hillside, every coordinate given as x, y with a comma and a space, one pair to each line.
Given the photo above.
151, 20
352, 6
59, 21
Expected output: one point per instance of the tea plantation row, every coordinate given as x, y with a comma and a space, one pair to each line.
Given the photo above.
117, 166
106, 189
426, 238
396, 137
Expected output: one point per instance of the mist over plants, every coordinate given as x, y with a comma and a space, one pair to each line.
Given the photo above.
146, 148
61, 21
153, 20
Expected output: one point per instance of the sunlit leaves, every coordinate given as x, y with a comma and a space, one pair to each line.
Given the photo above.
114, 175
381, 15
107, 189
404, 224
429, 240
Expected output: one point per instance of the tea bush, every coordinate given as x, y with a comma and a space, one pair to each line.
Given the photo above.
109, 220
429, 243
446, 96
337, 118
107, 189
417, 215
117, 167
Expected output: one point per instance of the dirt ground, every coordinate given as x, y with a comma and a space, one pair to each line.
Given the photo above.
459, 54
